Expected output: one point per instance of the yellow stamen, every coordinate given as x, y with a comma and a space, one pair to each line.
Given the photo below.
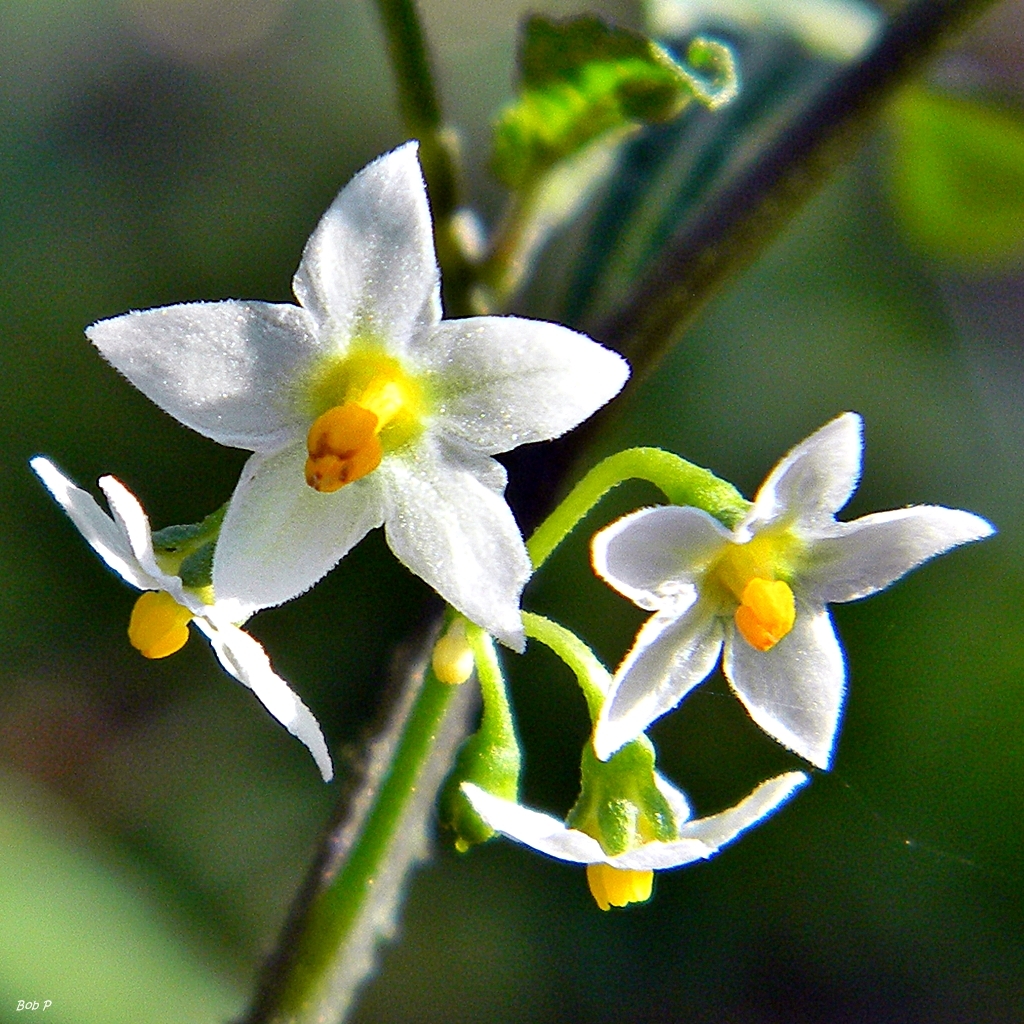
618, 887
158, 625
343, 446
766, 613
452, 659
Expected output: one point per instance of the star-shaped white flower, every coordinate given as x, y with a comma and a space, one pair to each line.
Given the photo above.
698, 838
761, 590
125, 542
364, 408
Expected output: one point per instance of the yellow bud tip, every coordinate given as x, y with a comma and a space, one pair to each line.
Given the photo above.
461, 846
452, 659
159, 625
343, 446
766, 613
618, 887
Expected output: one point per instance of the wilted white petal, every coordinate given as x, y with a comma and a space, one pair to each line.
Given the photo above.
670, 657
542, 832
676, 798
279, 536
718, 829
654, 555
456, 533
815, 480
245, 659
795, 690
221, 368
101, 532
852, 560
505, 381
369, 266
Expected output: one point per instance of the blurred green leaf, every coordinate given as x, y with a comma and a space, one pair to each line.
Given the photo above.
957, 176
582, 78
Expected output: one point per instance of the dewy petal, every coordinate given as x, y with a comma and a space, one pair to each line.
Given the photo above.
703, 837
795, 690
670, 657
815, 480
504, 381
279, 536
446, 522
221, 368
654, 555
244, 658
542, 832
101, 532
852, 560
369, 266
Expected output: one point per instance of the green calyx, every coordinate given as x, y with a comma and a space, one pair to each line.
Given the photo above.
186, 551
620, 804
490, 758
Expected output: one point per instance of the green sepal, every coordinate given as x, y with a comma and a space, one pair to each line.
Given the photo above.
581, 78
957, 176
490, 758
620, 804
188, 549
196, 570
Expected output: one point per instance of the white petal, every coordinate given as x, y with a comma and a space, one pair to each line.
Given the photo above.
795, 690
852, 560
245, 659
653, 556
279, 536
815, 480
222, 368
504, 381
369, 266
718, 829
102, 533
676, 798
703, 837
540, 831
670, 657
446, 522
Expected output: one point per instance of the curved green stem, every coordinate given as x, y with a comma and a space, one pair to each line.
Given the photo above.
593, 677
682, 483
497, 721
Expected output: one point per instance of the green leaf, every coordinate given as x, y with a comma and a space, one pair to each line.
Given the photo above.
581, 79
957, 176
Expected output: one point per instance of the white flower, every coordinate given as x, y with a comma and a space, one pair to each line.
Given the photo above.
761, 590
125, 543
363, 407
630, 877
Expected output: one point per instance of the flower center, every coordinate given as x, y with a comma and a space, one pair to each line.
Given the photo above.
763, 605
158, 625
618, 887
372, 405
766, 613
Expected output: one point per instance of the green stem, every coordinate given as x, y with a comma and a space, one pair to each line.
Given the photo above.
329, 944
593, 677
682, 482
496, 721
420, 107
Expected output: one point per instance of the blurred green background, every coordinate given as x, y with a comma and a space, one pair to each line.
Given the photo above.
154, 821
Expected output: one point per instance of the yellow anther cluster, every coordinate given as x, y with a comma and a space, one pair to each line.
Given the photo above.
343, 446
766, 613
158, 625
452, 659
618, 887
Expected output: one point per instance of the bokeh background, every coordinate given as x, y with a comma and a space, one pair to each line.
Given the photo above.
154, 821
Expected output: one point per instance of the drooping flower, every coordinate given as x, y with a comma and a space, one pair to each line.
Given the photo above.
761, 590
627, 877
364, 408
160, 619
